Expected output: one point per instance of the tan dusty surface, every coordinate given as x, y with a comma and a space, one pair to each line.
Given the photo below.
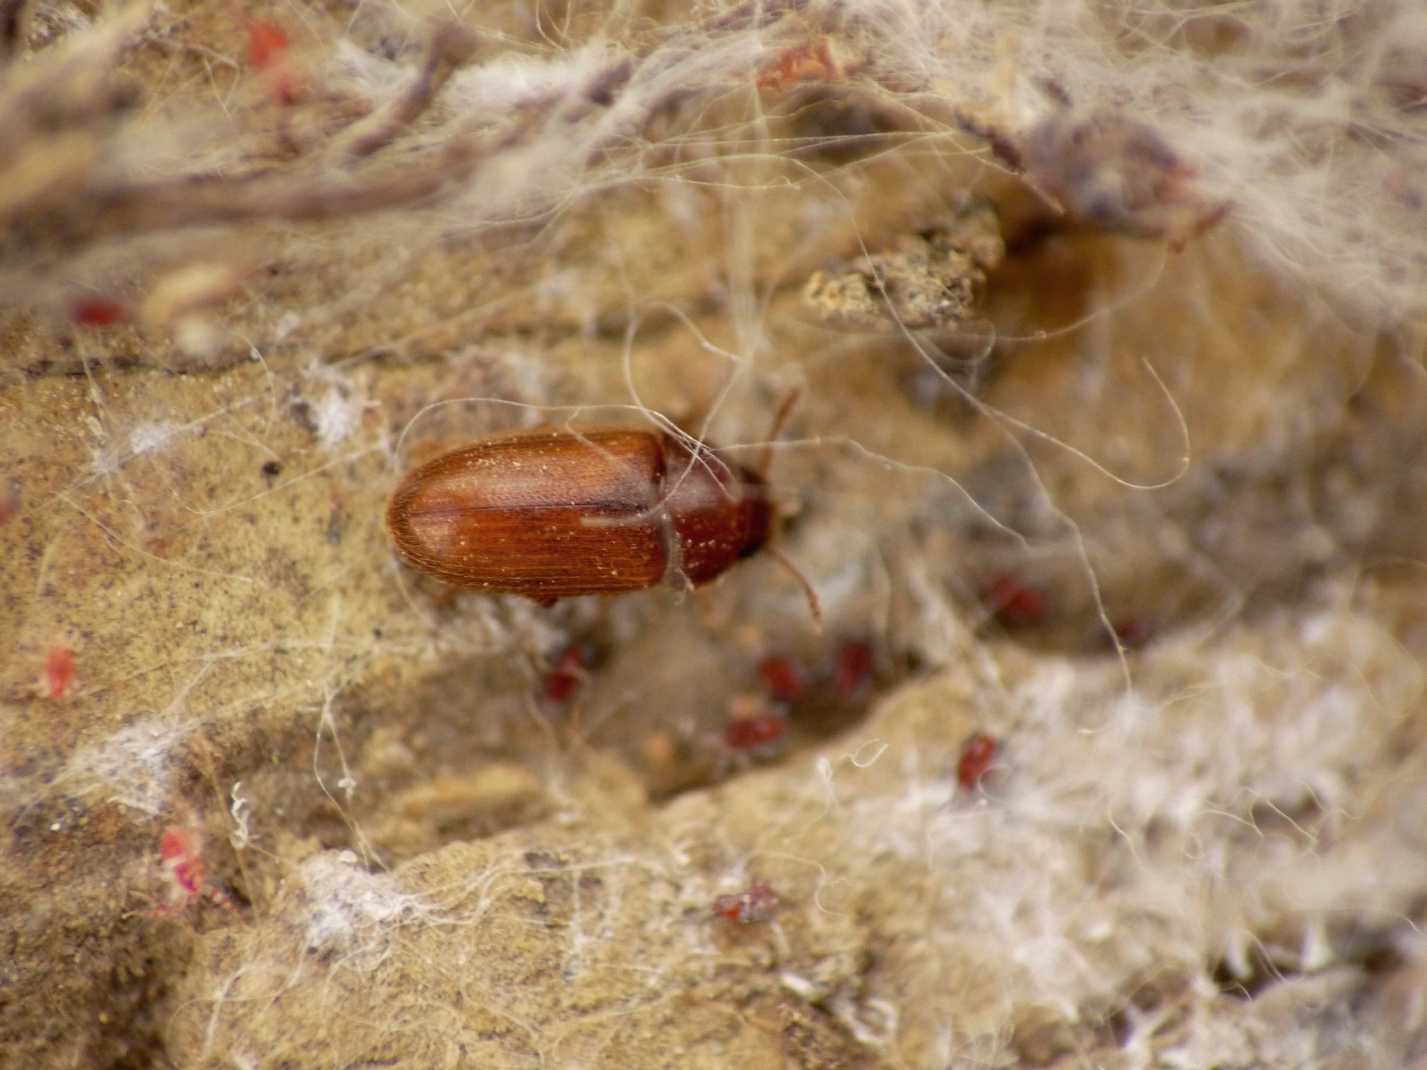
1199, 845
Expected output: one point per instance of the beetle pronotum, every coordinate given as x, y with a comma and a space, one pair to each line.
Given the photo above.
555, 513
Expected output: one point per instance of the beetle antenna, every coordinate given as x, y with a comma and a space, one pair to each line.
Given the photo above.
814, 606
780, 418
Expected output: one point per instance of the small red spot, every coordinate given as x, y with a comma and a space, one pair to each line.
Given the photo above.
569, 673
756, 904
758, 730
267, 44
59, 671
782, 678
1015, 604
854, 669
97, 312
977, 754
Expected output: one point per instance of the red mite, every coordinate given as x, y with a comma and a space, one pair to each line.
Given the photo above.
554, 514
267, 44
569, 672
97, 312
782, 678
59, 671
1135, 633
854, 666
755, 904
181, 852
1015, 604
748, 733
268, 52
977, 754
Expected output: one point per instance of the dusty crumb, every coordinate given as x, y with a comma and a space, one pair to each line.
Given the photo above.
934, 278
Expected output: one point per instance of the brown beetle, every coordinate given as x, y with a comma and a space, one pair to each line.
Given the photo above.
551, 514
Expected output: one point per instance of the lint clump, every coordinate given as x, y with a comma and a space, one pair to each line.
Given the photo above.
345, 906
